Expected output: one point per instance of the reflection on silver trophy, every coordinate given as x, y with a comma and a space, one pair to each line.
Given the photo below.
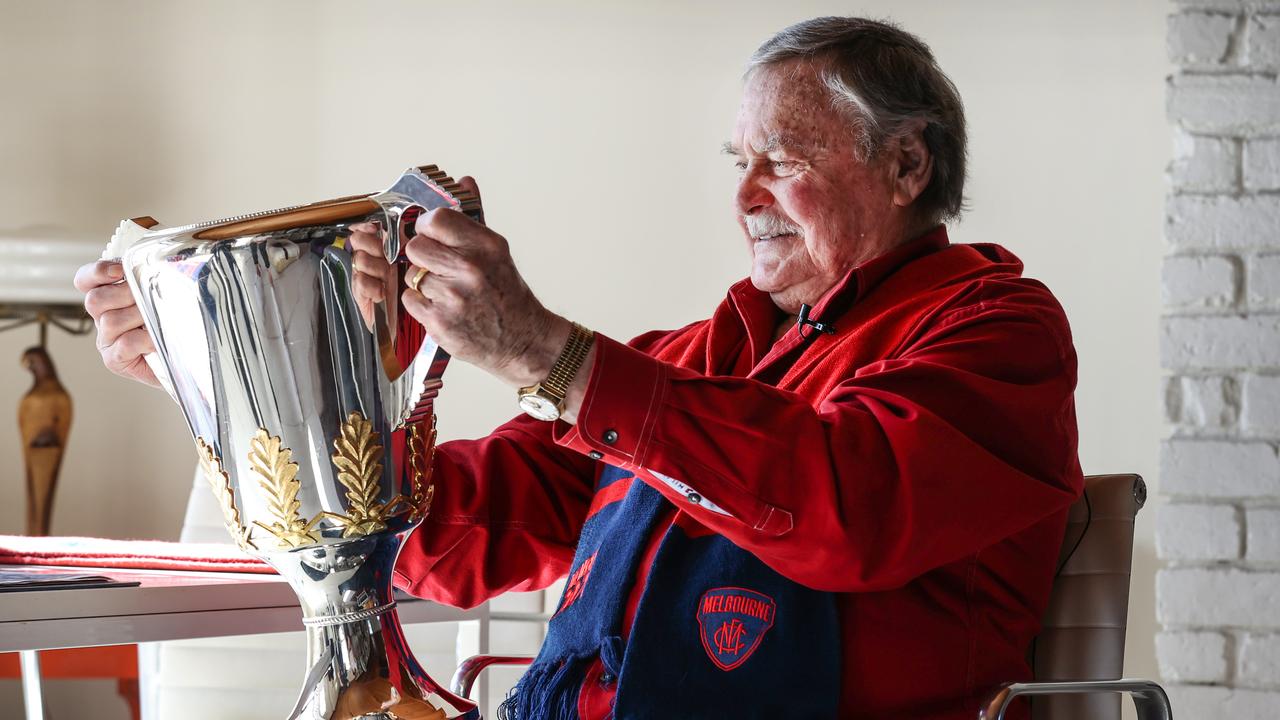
312, 413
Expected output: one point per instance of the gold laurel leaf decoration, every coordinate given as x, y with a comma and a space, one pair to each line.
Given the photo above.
421, 463
220, 483
358, 459
281, 485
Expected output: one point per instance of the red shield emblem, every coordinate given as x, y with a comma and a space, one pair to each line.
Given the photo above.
732, 622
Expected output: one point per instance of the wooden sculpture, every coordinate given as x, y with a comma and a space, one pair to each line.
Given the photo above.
44, 421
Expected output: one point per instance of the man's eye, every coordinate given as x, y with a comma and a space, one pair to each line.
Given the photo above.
782, 165
741, 165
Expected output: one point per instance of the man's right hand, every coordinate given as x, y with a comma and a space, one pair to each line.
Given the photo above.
122, 339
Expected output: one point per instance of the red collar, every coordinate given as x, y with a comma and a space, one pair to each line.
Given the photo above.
758, 313
863, 278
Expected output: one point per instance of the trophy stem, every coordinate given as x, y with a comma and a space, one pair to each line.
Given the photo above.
359, 664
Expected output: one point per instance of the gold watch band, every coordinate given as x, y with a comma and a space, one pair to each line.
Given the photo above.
570, 361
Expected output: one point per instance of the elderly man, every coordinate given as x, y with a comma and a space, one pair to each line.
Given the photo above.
840, 496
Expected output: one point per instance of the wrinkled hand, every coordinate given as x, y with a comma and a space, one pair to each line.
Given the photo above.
474, 302
122, 339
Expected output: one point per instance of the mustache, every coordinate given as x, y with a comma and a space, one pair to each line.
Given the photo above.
762, 225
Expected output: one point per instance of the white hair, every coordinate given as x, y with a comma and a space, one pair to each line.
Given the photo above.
888, 83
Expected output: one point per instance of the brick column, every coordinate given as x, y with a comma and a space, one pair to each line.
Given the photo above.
1218, 599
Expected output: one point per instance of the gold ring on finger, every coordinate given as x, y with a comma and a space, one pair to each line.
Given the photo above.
417, 278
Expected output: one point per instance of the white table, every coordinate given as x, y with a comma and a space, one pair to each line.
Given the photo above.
168, 605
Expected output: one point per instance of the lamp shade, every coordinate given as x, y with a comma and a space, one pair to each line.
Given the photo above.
38, 263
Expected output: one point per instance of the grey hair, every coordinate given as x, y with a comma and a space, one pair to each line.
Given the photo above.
887, 81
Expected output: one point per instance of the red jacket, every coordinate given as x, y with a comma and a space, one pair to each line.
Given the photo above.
929, 446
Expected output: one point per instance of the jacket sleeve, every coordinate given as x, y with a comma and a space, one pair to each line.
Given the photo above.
505, 515
964, 437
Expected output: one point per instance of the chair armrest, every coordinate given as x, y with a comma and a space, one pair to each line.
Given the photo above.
465, 676
1148, 697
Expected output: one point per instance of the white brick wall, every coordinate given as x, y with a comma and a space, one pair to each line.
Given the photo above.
1261, 167
1228, 104
1262, 541
1192, 656
1200, 281
1206, 164
1222, 222
1222, 597
1262, 47
1260, 661
1219, 595
1220, 342
1198, 532
1264, 281
1199, 38
1201, 702
1209, 401
1219, 469
1262, 405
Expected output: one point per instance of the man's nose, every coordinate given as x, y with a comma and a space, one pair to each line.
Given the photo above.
752, 195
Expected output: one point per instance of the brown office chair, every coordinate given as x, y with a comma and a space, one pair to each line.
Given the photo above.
1080, 650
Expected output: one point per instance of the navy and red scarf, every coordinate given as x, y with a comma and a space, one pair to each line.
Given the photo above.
716, 633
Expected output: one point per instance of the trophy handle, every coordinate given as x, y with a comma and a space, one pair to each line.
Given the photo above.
414, 386
419, 190
421, 381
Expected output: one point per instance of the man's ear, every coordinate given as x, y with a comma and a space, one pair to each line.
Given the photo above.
913, 165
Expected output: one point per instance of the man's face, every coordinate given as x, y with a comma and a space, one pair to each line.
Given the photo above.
810, 210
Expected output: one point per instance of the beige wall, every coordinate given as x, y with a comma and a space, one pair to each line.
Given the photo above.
594, 129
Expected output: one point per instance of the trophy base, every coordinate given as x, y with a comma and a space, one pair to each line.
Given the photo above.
359, 664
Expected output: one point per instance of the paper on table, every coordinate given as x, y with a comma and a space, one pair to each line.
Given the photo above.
14, 579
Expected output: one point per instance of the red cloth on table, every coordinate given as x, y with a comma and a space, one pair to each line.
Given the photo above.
919, 463
127, 554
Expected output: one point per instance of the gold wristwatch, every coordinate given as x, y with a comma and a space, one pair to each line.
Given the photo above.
545, 400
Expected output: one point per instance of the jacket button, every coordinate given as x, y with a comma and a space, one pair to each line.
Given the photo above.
694, 498
595, 455
610, 437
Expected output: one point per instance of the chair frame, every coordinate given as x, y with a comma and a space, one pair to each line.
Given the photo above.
1149, 698
464, 678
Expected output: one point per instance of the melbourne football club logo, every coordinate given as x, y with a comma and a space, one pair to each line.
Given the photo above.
732, 622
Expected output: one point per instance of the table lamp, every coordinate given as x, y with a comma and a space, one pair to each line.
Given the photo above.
37, 265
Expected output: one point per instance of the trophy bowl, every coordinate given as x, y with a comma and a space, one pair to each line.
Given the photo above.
312, 414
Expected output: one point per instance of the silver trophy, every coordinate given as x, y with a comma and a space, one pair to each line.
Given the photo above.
311, 411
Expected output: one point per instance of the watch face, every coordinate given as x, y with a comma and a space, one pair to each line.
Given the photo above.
539, 407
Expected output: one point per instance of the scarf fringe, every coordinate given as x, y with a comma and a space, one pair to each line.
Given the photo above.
549, 693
